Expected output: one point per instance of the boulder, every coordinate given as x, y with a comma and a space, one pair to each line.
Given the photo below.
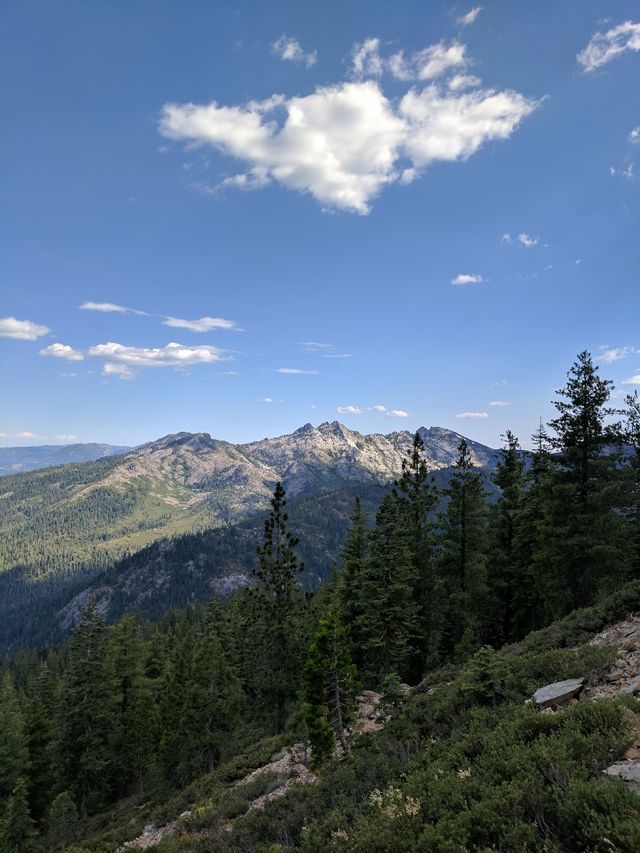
559, 693
628, 771
633, 687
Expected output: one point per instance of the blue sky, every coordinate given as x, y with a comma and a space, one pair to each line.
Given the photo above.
393, 215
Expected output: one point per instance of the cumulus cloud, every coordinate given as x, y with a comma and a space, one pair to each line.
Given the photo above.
603, 47
358, 410
27, 434
499, 404
472, 415
634, 136
62, 351
297, 370
21, 330
527, 240
110, 308
633, 380
463, 81
397, 413
122, 371
379, 408
265, 399
470, 17
204, 324
349, 410
344, 143
467, 278
171, 355
291, 50
67, 439
608, 356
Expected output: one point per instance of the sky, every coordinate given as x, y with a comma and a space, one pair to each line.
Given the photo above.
240, 217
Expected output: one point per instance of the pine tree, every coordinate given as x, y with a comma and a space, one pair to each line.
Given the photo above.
462, 558
418, 500
349, 580
178, 753
14, 757
329, 686
505, 576
279, 612
388, 618
587, 544
17, 830
87, 715
133, 722
62, 822
40, 738
632, 492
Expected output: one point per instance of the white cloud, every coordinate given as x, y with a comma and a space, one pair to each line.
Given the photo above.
122, 371
344, 143
634, 136
3, 435
472, 415
428, 63
608, 356
463, 81
291, 50
470, 17
110, 308
62, 351
506, 238
527, 240
397, 413
349, 410
499, 404
467, 278
324, 350
265, 399
297, 370
67, 439
366, 59
204, 324
633, 380
21, 330
603, 47
171, 355
379, 408
27, 434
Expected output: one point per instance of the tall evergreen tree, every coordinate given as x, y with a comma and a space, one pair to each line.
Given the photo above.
17, 830
87, 715
587, 546
504, 575
349, 582
14, 756
388, 609
418, 500
280, 613
329, 686
462, 558
40, 708
632, 496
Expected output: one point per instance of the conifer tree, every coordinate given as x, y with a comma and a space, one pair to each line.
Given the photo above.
418, 499
280, 612
329, 686
504, 574
40, 738
462, 558
632, 501
388, 619
349, 584
133, 724
178, 753
14, 757
17, 829
87, 715
586, 548
62, 822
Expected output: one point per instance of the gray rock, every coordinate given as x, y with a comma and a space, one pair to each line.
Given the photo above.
558, 693
628, 771
633, 687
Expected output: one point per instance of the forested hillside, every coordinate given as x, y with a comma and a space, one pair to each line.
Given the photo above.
237, 726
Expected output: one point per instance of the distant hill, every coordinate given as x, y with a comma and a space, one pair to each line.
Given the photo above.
14, 460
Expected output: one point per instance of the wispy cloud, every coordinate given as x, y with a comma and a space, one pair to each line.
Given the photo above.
634, 136
480, 415
344, 143
67, 439
468, 278
397, 413
110, 308
633, 380
204, 324
265, 399
27, 434
324, 350
21, 330
297, 370
122, 371
608, 356
523, 238
291, 50
471, 16
499, 404
58, 350
603, 47
379, 408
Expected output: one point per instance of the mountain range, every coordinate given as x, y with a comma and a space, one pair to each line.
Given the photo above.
14, 460
166, 523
